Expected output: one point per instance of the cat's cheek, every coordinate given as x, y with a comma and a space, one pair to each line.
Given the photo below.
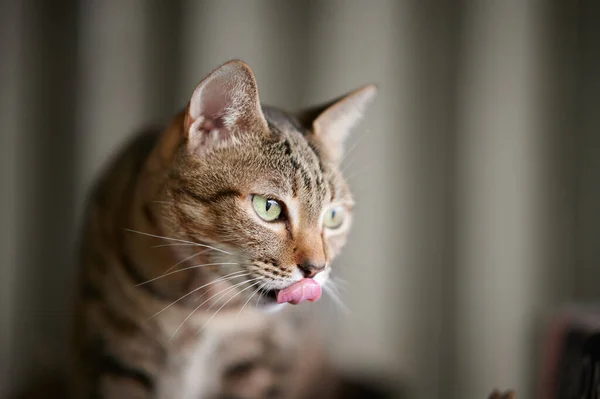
337, 238
335, 244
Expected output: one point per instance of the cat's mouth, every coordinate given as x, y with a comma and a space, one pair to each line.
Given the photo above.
270, 295
306, 289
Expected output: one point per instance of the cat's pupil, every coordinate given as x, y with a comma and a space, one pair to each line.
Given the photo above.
268, 205
333, 214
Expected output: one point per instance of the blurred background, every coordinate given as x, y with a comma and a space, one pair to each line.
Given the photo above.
476, 170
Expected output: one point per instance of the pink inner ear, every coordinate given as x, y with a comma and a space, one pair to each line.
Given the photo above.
212, 103
207, 125
205, 133
209, 108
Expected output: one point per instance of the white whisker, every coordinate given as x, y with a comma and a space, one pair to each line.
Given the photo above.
353, 147
178, 240
223, 305
339, 280
184, 269
229, 276
214, 295
336, 299
346, 168
184, 260
198, 307
248, 257
177, 244
260, 295
357, 172
254, 293
219, 298
334, 286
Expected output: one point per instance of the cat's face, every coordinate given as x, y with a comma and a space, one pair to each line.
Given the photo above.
262, 188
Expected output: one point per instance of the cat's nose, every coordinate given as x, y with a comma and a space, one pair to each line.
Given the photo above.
309, 269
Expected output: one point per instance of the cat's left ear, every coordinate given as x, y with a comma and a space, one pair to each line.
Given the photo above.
223, 106
331, 123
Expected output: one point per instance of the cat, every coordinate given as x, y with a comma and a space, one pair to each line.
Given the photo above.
197, 239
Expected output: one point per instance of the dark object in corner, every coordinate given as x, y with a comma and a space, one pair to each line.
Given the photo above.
503, 395
357, 388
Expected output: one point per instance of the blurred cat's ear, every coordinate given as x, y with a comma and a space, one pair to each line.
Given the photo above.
332, 122
223, 106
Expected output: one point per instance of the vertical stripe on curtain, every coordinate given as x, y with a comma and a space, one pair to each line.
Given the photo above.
39, 72
11, 68
586, 161
512, 250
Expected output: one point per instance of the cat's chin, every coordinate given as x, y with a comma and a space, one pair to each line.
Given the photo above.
272, 307
269, 304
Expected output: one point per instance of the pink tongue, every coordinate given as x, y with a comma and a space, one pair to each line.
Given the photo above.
306, 289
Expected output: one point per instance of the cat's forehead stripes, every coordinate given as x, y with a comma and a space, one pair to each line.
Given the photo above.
310, 185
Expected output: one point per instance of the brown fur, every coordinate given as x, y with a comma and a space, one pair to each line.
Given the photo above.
193, 183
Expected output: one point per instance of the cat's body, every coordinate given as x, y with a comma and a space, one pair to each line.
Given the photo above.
142, 354
193, 231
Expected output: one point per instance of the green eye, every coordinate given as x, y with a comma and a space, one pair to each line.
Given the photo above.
334, 217
267, 209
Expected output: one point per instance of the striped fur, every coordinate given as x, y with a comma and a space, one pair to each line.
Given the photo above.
139, 336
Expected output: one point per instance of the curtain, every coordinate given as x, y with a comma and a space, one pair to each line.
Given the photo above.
476, 171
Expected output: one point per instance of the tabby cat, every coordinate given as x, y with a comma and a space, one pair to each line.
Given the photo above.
195, 234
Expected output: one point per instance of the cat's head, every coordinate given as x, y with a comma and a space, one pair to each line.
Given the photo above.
263, 187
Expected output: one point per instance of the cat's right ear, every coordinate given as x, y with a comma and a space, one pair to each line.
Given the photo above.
223, 106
